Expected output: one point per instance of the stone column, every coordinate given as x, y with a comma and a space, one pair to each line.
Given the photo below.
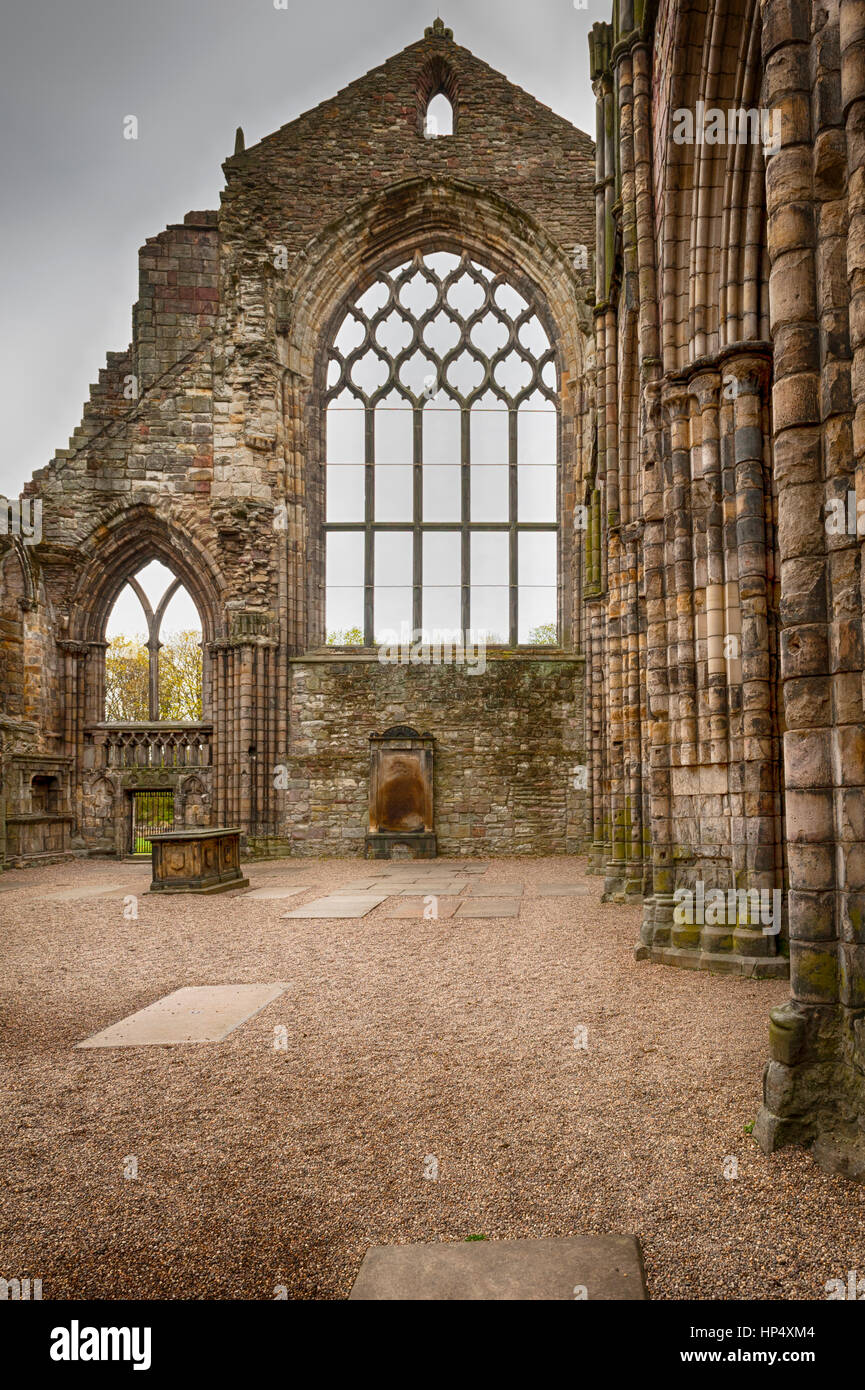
658, 909
76, 712
748, 378
801, 1034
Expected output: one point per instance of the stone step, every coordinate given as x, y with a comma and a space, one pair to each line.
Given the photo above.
593, 1268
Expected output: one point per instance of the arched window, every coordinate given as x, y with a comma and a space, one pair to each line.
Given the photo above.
439, 119
441, 453
153, 663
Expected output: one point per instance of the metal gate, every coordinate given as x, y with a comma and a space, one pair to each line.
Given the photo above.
152, 813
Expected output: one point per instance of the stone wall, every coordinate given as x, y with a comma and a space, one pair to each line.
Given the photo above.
725, 669
507, 745
201, 443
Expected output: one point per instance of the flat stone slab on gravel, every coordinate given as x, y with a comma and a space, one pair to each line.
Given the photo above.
608, 1268
68, 895
277, 891
335, 907
361, 888
562, 890
413, 909
489, 907
197, 1014
450, 888
496, 890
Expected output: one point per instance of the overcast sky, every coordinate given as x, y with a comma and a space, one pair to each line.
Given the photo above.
79, 200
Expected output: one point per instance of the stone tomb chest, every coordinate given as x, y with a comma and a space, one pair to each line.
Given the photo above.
401, 795
197, 861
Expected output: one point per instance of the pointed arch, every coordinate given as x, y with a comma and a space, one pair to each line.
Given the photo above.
118, 550
714, 194
437, 79
423, 216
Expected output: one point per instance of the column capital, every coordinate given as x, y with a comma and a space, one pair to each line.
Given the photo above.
706, 387
745, 373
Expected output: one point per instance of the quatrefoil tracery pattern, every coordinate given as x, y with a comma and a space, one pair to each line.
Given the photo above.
455, 526
442, 324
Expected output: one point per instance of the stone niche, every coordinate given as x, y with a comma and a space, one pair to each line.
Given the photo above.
38, 820
401, 795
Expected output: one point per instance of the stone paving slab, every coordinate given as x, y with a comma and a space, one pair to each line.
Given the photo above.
596, 1268
418, 870
413, 909
447, 889
489, 907
562, 890
337, 908
496, 890
277, 891
197, 1014
105, 890
360, 887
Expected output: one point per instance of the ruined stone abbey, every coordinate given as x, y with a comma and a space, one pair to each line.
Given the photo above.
598, 407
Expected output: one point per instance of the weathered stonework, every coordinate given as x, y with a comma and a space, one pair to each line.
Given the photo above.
202, 446
701, 727
506, 746
724, 613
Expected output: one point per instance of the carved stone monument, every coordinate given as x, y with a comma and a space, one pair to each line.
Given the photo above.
401, 795
197, 861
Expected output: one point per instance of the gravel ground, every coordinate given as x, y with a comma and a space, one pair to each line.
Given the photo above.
407, 1040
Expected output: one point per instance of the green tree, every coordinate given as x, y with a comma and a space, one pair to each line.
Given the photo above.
180, 676
126, 675
127, 679
345, 637
547, 635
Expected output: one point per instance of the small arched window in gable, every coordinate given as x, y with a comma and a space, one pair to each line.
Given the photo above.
437, 103
439, 119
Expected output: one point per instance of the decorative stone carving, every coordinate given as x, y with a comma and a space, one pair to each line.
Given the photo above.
197, 861
401, 794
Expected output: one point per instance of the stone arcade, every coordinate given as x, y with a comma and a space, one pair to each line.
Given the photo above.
598, 401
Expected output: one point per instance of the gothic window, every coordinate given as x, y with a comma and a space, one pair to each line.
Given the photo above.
439, 118
153, 662
441, 453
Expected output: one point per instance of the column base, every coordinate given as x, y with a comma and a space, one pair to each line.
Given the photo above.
719, 963
814, 1088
